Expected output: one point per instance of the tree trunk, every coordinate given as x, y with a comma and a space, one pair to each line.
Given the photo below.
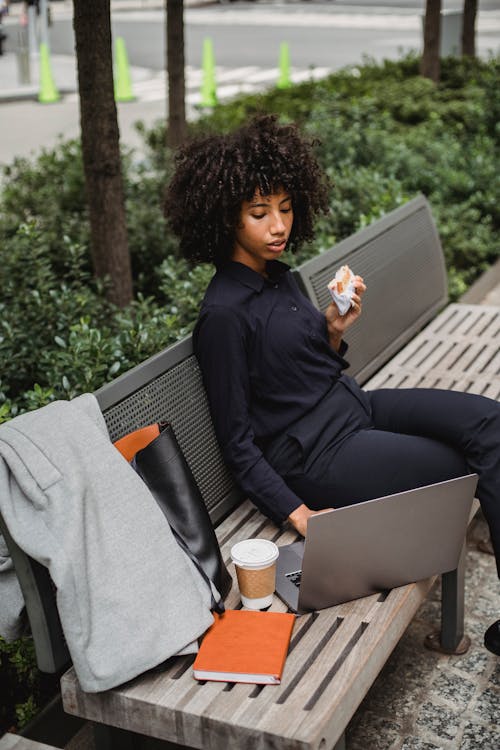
177, 127
469, 28
430, 62
101, 149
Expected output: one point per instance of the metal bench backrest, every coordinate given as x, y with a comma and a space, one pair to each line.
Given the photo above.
401, 261
168, 388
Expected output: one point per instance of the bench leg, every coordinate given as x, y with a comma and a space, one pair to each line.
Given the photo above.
451, 638
111, 738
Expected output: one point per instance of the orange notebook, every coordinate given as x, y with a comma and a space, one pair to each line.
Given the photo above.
245, 646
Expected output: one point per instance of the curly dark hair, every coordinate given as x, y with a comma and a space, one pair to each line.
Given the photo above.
215, 174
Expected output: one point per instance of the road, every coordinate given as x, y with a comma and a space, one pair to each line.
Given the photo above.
248, 33
246, 36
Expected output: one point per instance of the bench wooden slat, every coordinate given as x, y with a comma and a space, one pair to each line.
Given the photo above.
232, 704
362, 666
343, 635
492, 390
459, 319
267, 714
449, 349
15, 742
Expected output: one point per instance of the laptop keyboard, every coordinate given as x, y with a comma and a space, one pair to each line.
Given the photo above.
295, 577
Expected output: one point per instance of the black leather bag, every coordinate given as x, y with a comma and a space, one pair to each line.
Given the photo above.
164, 469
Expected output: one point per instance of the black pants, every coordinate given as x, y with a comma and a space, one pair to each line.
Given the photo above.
413, 437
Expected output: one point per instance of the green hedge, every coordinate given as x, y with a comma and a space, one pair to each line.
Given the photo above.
22, 687
386, 134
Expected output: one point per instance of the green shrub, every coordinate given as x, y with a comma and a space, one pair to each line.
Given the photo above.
23, 688
47, 193
149, 241
60, 333
41, 299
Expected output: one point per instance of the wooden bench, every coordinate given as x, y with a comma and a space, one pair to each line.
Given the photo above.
16, 742
337, 653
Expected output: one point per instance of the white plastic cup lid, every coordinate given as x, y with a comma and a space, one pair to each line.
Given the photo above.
254, 553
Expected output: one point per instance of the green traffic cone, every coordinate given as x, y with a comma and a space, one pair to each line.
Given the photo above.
284, 76
48, 92
208, 84
123, 82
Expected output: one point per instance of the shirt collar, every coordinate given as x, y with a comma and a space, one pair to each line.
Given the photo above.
245, 275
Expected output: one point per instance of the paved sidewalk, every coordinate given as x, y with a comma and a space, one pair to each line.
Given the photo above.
14, 86
64, 73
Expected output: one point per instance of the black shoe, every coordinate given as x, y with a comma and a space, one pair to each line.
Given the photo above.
492, 638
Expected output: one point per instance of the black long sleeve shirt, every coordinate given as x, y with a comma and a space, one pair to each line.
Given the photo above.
266, 361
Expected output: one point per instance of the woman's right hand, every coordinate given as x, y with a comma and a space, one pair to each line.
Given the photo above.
338, 324
301, 515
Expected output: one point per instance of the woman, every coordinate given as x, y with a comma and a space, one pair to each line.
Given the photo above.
298, 433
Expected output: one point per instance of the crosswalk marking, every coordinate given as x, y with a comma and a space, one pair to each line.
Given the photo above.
229, 81
228, 75
152, 86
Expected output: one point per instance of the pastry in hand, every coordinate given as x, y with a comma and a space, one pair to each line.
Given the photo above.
341, 289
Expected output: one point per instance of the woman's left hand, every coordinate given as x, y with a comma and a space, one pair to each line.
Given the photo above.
338, 324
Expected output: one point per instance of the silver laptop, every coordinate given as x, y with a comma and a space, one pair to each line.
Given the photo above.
376, 545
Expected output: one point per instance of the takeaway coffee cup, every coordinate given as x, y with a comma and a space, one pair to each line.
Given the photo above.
255, 564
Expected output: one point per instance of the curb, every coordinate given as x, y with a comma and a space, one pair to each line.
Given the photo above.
31, 93
476, 293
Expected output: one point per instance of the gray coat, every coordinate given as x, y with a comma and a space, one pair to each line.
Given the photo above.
127, 596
